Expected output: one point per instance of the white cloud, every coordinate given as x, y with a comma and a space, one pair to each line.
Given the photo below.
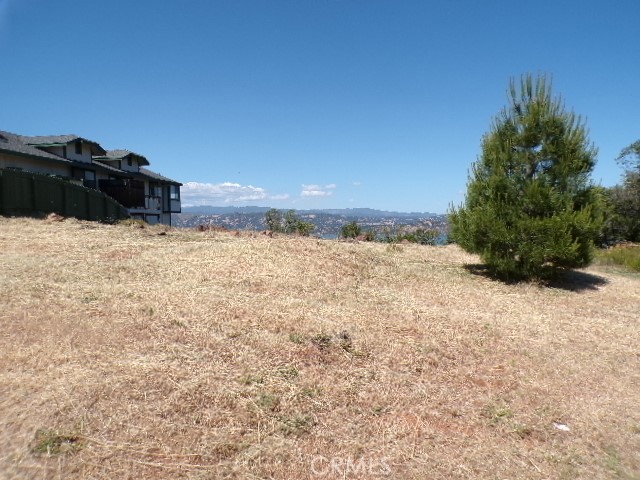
196, 193
317, 190
281, 196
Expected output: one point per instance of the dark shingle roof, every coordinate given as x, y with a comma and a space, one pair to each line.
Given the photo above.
109, 168
10, 142
49, 139
24, 145
121, 154
157, 176
55, 140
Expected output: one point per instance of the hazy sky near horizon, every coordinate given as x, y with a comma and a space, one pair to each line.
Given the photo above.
313, 103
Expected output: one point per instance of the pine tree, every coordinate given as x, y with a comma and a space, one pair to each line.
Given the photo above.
624, 222
530, 208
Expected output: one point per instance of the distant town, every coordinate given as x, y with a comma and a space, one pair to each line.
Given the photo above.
328, 223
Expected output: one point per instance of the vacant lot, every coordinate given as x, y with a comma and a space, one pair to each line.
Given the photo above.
127, 353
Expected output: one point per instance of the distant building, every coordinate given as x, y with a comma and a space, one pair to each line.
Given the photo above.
118, 173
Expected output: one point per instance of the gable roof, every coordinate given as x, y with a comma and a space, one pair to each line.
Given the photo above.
110, 168
26, 146
121, 154
10, 142
16, 145
157, 176
61, 140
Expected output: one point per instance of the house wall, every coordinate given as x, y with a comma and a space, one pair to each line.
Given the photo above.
100, 175
112, 163
32, 165
85, 156
59, 151
133, 168
71, 154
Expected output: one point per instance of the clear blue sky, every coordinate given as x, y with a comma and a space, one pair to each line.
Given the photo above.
313, 103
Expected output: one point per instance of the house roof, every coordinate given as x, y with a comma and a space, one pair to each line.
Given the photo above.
121, 154
26, 146
61, 140
110, 168
16, 144
10, 142
157, 176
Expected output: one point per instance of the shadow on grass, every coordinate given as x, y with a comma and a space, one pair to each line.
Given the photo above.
570, 280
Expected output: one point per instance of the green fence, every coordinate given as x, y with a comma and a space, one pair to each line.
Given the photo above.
25, 193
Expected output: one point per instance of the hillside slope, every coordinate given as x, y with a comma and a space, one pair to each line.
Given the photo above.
139, 353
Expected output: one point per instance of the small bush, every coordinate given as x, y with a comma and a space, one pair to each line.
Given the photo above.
351, 230
422, 236
267, 401
367, 236
296, 424
52, 442
321, 340
303, 229
289, 223
133, 222
273, 220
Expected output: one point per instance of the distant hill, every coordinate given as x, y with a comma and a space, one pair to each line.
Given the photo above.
345, 212
328, 222
211, 210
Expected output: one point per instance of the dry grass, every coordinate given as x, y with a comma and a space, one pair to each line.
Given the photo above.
129, 354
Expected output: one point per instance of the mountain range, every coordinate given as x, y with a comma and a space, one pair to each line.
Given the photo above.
327, 222
345, 212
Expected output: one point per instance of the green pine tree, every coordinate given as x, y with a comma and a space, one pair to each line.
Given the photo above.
531, 209
624, 199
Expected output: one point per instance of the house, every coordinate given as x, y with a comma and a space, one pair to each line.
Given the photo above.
118, 173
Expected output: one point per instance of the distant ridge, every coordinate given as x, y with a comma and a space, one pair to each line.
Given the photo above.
211, 210
345, 212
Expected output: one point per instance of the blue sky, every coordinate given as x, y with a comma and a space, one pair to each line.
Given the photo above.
313, 104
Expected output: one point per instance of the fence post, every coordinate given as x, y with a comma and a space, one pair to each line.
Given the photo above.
34, 194
2, 190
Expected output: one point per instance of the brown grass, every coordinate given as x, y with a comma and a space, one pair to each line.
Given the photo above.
129, 354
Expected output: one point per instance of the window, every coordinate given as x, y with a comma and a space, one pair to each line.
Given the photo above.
78, 148
174, 192
129, 162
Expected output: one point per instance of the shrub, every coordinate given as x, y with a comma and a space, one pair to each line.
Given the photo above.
368, 236
273, 220
289, 223
622, 255
304, 228
351, 230
422, 236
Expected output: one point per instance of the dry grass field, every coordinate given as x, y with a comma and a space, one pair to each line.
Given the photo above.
135, 353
